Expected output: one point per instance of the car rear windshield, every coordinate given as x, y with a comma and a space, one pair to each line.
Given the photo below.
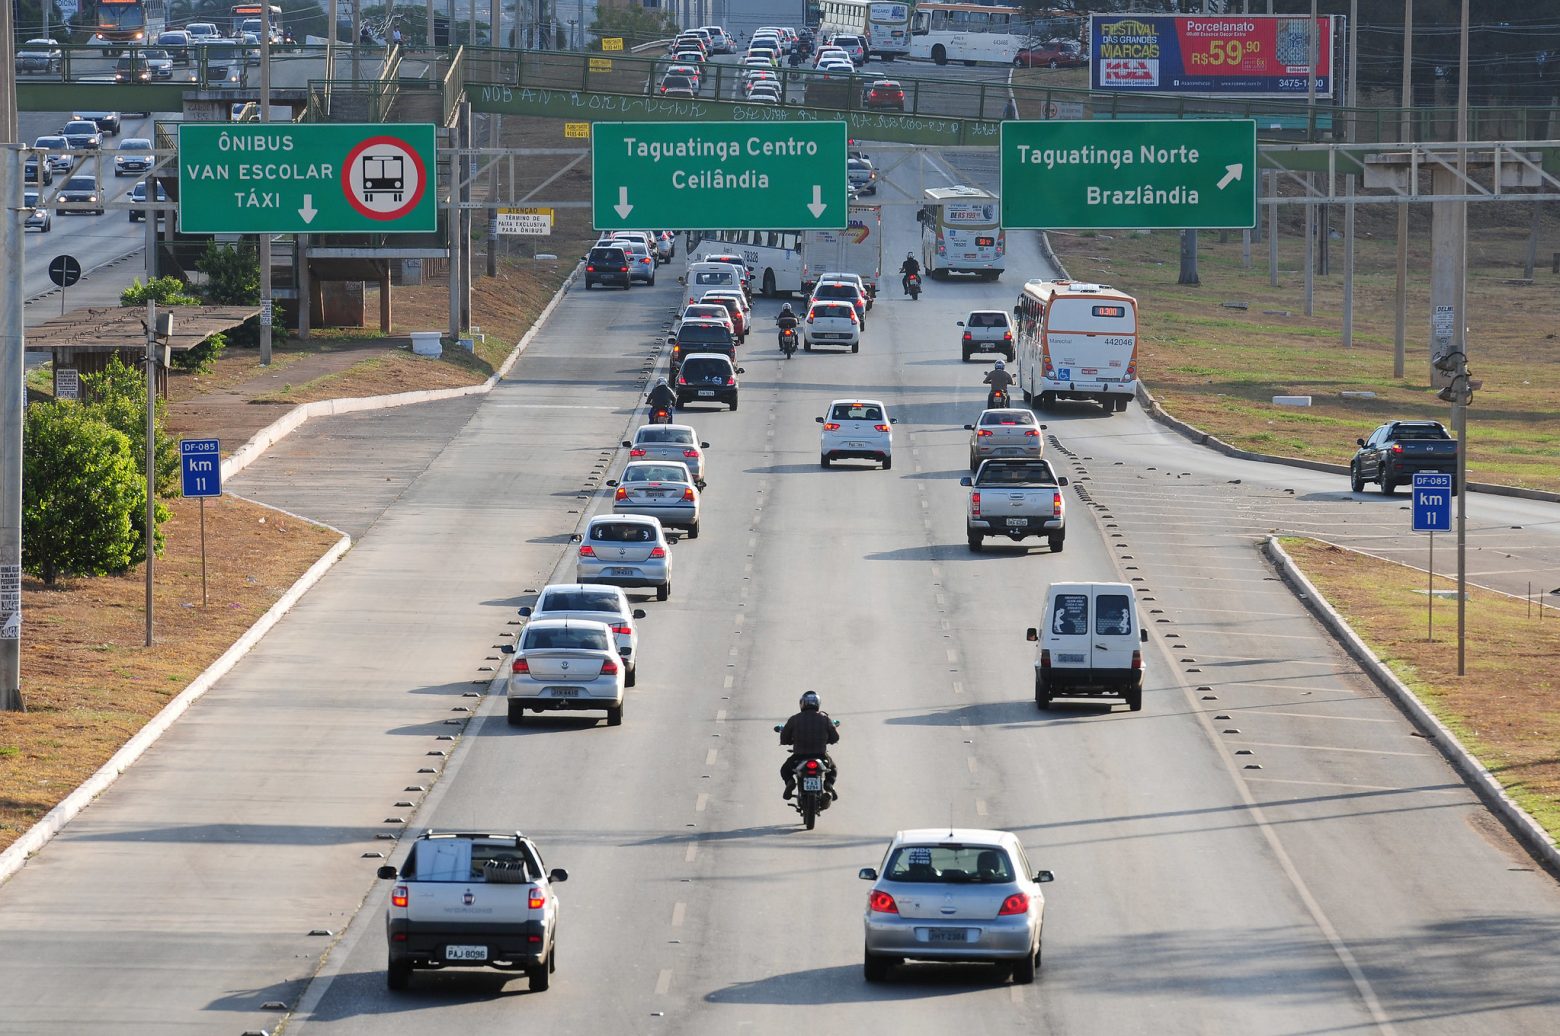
81, 183
841, 312
695, 369
704, 334
857, 412
655, 473
622, 532
835, 291
579, 601
679, 436
998, 319
709, 311
1038, 473
1002, 417
950, 865
1071, 618
607, 255
1420, 431
447, 859
714, 277
564, 637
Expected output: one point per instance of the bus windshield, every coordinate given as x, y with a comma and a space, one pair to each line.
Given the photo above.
121, 15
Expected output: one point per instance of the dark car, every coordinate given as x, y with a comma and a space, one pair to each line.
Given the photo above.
132, 70
177, 43
1398, 450
82, 189
701, 336
706, 377
607, 265
82, 135
108, 122
138, 193
36, 165
1054, 54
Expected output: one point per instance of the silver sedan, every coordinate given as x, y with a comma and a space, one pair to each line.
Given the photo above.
660, 489
625, 550
566, 664
954, 894
673, 442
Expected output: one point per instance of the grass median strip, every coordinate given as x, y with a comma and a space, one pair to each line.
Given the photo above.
1506, 710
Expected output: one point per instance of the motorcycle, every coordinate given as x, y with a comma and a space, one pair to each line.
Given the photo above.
788, 341
997, 399
812, 787
913, 286
661, 415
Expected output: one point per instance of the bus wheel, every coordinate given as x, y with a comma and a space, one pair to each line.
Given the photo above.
769, 284
939, 55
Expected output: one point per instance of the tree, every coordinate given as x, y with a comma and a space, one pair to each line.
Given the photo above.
80, 489
117, 397
1188, 258
170, 291
233, 279
632, 23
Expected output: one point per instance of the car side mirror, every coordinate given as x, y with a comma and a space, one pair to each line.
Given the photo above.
958, 323
506, 649
386, 872
1044, 876
1143, 636
867, 874
612, 481
672, 537
966, 481
639, 613
777, 730
584, 258
1032, 634
700, 483
626, 444
1062, 481
1017, 311
836, 723
526, 611
893, 420
969, 428
576, 538
1360, 441
1044, 427
741, 370
557, 874
682, 280
818, 419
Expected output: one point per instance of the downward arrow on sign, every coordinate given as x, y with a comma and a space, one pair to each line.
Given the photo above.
817, 206
1231, 172
308, 212
623, 208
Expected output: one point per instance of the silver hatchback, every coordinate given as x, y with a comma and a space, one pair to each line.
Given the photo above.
626, 550
954, 894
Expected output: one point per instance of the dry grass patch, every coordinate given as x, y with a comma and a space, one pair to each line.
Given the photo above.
1506, 710
88, 679
1219, 368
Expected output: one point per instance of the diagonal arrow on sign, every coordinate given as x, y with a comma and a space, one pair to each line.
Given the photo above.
623, 208
1231, 172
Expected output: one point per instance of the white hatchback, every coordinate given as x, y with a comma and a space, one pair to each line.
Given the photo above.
856, 428
831, 323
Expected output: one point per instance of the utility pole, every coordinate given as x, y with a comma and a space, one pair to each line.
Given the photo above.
13, 392
357, 37
497, 14
1351, 99
150, 538
1406, 99
1462, 386
265, 238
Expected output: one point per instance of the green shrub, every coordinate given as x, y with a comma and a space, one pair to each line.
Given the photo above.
202, 356
165, 291
80, 490
116, 396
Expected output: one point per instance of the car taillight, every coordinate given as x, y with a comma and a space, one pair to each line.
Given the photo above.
400, 896
622, 269
1045, 658
831, 426
880, 428
681, 380
1397, 447
853, 319
1137, 660
1017, 903
809, 318
1032, 434
587, 551
622, 494
975, 503
1007, 336
1131, 371
637, 451
623, 631
590, 269
520, 666
688, 493
658, 552
730, 381
983, 433
882, 903
1056, 505
609, 668
535, 900
690, 453
968, 337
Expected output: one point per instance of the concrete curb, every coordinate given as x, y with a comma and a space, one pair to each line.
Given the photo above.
36, 837
1197, 435
284, 426
1483, 783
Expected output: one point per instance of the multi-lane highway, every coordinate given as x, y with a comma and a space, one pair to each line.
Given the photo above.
1267, 847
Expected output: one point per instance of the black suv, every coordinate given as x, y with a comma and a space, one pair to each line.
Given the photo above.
606, 265
707, 378
701, 336
1398, 450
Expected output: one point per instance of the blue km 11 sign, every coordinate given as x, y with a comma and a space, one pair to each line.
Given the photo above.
1432, 502
201, 463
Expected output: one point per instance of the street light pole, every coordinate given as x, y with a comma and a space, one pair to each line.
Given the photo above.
13, 393
1460, 344
265, 237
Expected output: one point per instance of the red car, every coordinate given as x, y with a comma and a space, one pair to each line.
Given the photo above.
885, 93
1055, 54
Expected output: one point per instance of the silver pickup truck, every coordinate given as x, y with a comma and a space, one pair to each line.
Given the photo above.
470, 900
1016, 498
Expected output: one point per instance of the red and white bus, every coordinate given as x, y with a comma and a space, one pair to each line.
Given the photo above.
1076, 341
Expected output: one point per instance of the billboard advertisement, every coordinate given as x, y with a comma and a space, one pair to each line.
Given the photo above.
1232, 55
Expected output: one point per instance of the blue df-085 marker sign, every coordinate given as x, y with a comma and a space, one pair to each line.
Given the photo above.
1432, 502
201, 463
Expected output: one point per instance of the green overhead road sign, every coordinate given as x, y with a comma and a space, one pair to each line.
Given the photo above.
719, 175
291, 178
1152, 174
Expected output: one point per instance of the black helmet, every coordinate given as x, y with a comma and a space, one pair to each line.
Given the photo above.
810, 701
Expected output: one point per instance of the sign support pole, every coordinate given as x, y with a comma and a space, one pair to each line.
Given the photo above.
205, 597
265, 238
150, 538
12, 406
1430, 594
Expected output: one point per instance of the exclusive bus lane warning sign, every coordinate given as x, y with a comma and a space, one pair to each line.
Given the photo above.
280, 178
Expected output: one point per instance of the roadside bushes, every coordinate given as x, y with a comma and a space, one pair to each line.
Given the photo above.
170, 291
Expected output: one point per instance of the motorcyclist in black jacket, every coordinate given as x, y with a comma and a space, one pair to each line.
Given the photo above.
661, 395
910, 266
809, 733
999, 380
787, 318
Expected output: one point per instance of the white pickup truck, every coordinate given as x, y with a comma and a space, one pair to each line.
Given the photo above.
1016, 498
467, 900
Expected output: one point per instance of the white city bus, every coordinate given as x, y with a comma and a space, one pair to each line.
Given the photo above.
944, 32
774, 256
884, 24
961, 232
1076, 341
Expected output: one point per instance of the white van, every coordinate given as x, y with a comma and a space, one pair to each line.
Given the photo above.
1090, 644
701, 277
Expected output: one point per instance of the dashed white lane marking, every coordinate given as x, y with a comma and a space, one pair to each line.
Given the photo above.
1016, 993
693, 850
736, 620
970, 762
677, 914
702, 801
1312, 715
720, 716
729, 681
958, 687
709, 757
664, 982
1332, 748
953, 656
980, 807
